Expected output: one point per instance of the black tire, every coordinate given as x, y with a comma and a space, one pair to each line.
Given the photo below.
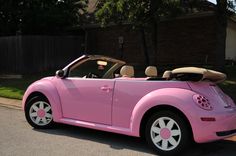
182, 141
28, 109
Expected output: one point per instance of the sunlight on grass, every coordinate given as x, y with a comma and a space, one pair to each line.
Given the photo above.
232, 138
15, 88
230, 82
229, 86
9, 92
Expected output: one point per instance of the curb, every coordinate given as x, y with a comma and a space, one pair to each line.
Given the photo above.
10, 103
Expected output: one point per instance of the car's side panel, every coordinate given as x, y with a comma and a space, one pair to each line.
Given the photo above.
180, 99
128, 93
47, 88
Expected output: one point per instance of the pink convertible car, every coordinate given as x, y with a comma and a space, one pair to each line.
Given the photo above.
102, 93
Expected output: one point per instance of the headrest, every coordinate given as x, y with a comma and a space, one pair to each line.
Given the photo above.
127, 71
151, 71
167, 74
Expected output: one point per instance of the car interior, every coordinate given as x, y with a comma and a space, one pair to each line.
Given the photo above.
106, 70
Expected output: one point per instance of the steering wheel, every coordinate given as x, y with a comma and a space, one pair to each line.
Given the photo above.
91, 75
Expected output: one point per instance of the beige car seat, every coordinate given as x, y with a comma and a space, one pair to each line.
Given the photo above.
151, 71
127, 71
167, 74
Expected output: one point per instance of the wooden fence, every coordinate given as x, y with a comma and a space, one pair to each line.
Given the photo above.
32, 54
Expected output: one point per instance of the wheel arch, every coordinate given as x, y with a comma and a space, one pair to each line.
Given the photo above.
174, 99
48, 91
159, 108
34, 94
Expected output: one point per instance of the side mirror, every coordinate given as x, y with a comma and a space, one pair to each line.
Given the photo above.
60, 73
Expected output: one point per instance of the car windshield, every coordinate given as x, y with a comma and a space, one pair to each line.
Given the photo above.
91, 69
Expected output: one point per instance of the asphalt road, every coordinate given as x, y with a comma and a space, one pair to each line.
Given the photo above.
17, 138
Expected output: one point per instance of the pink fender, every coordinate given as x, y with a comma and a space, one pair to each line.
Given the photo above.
175, 97
46, 87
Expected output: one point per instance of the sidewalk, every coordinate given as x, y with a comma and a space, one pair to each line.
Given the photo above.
12, 103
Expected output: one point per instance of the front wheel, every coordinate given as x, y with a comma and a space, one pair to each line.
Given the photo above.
38, 113
167, 133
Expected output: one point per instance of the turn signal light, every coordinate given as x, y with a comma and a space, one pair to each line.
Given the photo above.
208, 119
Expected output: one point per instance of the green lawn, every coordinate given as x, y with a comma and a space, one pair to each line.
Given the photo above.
229, 86
15, 88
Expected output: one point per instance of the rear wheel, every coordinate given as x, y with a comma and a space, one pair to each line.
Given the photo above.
167, 133
38, 113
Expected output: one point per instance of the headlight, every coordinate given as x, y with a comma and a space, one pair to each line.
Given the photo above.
202, 102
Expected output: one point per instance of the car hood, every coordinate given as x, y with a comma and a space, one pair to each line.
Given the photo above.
48, 78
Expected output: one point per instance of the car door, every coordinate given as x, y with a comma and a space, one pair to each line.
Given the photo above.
86, 98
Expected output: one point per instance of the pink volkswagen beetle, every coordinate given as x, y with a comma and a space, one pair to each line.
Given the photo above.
102, 93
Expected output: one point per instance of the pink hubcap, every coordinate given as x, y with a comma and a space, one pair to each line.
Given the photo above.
165, 133
41, 113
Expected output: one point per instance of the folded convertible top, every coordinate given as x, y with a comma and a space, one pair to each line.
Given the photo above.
203, 74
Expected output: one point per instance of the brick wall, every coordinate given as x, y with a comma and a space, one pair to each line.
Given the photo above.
183, 41
187, 41
105, 41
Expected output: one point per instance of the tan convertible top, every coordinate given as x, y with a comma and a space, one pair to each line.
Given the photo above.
208, 74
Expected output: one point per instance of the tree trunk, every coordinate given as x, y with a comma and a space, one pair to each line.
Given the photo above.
221, 33
145, 49
154, 42
154, 22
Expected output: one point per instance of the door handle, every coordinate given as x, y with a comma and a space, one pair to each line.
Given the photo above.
106, 88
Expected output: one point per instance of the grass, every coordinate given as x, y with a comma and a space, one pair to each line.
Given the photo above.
15, 88
9, 92
229, 86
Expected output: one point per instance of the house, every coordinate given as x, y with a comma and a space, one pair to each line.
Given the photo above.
187, 40
230, 52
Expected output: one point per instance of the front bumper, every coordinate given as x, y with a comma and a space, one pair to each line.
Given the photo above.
226, 133
223, 127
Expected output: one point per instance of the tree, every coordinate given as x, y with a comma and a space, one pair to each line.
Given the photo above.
40, 16
8, 16
144, 15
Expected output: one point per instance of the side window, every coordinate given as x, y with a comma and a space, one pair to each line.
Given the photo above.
91, 69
